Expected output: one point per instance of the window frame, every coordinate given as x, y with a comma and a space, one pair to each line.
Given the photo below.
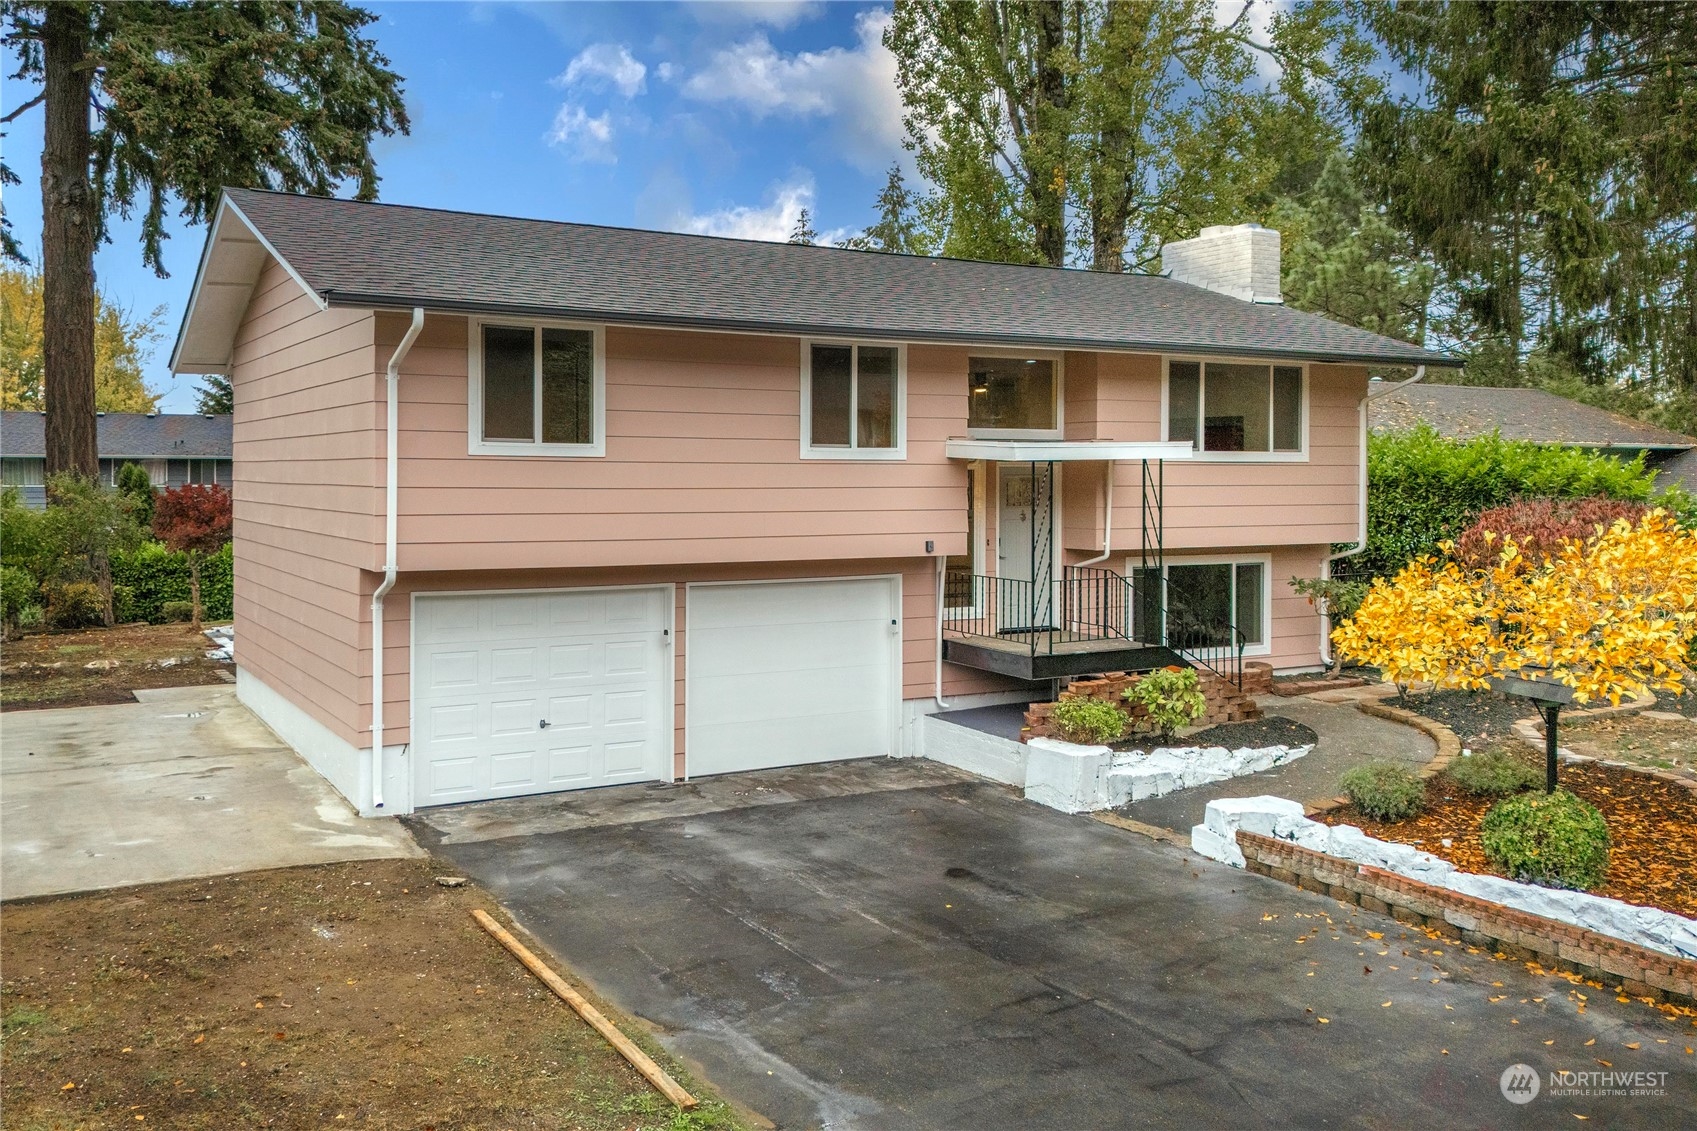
852, 451
1300, 455
1058, 432
1264, 560
475, 443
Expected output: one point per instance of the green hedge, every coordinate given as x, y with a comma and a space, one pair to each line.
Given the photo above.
1423, 489
153, 576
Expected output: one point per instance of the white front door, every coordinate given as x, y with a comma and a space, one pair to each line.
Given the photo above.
1024, 547
791, 672
517, 693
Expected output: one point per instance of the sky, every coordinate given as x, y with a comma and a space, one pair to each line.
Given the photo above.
724, 118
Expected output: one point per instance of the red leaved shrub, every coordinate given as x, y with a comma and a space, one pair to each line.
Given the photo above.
1539, 527
193, 520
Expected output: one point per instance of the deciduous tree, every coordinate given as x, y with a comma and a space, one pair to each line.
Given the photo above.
194, 520
147, 102
123, 344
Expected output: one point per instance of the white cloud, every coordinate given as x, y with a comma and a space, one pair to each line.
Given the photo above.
774, 13
855, 87
591, 139
773, 221
605, 64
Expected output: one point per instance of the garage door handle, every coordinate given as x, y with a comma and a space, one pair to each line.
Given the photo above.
542, 724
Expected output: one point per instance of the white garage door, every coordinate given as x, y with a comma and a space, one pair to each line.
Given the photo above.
785, 673
517, 693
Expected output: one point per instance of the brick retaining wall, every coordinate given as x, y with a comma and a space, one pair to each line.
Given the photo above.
1518, 935
1226, 703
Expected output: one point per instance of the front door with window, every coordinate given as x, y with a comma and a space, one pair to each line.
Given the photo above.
1025, 535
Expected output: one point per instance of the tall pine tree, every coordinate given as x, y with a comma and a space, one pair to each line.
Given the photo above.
147, 102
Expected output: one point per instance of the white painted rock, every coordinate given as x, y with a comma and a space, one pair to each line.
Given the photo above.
1067, 777
1204, 841
1226, 815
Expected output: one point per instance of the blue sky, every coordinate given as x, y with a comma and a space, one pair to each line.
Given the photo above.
725, 118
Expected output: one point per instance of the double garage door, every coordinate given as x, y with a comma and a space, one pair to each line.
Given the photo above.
533, 692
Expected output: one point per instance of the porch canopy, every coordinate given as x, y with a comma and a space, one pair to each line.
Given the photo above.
1065, 451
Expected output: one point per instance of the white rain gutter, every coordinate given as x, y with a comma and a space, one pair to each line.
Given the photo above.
1361, 543
391, 494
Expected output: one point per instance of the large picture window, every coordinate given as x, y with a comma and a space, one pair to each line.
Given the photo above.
1222, 406
853, 401
536, 390
1203, 601
1011, 394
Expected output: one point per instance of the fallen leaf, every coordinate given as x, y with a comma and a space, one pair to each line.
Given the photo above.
200, 1038
1323, 1021
1444, 1052
1605, 1063
1634, 1045
1375, 934
1590, 1042
1551, 1041
1384, 1005
69, 1086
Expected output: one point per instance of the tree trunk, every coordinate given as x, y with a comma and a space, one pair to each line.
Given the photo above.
194, 586
68, 233
1049, 179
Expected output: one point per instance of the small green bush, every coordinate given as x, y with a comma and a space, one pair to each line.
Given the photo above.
174, 611
32, 617
1552, 839
1088, 722
1384, 791
218, 585
1172, 697
154, 576
1492, 773
75, 604
124, 605
17, 592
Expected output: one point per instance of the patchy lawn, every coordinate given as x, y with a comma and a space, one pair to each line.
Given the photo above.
1658, 744
1652, 829
346, 995
51, 669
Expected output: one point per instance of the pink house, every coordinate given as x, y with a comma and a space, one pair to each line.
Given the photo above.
526, 506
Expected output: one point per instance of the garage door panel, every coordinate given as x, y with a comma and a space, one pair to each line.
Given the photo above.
493, 667
788, 673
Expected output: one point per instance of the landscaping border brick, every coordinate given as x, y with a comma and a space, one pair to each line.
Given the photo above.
1519, 935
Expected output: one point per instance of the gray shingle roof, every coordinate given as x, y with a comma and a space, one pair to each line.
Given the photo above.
127, 434
1463, 411
391, 255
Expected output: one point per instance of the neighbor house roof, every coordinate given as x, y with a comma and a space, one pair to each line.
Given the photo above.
1463, 411
134, 435
384, 255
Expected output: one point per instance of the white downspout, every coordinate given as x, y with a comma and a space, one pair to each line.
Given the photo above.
1107, 522
937, 687
391, 492
1361, 542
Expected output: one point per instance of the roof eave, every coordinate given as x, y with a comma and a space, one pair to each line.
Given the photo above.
756, 326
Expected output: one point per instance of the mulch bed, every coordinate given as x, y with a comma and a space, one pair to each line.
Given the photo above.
1477, 717
1685, 704
1652, 832
1268, 731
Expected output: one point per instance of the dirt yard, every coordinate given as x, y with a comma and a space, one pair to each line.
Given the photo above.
51, 669
346, 995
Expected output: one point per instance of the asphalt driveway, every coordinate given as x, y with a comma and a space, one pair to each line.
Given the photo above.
909, 948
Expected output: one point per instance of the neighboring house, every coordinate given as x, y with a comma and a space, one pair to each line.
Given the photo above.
525, 506
1461, 412
175, 448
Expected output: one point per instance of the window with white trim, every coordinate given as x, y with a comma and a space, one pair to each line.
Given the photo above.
853, 401
536, 389
1234, 406
1204, 596
1012, 395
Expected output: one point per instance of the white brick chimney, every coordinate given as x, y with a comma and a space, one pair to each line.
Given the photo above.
1241, 260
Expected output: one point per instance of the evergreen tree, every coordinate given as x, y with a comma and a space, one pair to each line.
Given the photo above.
215, 395
157, 100
803, 231
897, 229
1547, 161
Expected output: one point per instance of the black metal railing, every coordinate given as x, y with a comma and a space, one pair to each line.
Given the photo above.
1089, 604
